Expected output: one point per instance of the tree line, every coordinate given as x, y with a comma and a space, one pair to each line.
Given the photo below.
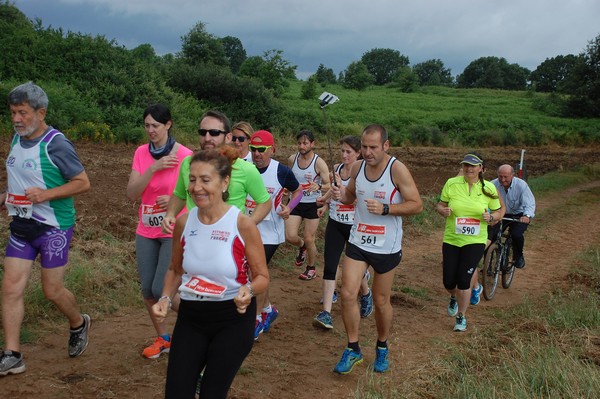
99, 88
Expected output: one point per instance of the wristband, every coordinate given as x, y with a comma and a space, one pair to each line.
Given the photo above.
251, 290
491, 218
167, 298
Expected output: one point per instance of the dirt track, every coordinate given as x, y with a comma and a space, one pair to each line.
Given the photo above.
295, 359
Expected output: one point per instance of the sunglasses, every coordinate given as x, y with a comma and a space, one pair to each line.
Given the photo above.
212, 132
241, 139
261, 148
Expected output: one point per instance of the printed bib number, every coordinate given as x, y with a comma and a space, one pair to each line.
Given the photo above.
468, 226
19, 205
305, 189
202, 286
344, 213
251, 207
152, 215
370, 235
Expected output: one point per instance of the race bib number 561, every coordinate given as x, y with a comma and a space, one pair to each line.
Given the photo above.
368, 235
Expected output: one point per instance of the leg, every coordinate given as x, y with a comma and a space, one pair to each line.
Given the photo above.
292, 225
353, 272
382, 289
16, 275
517, 231
310, 231
336, 235
55, 291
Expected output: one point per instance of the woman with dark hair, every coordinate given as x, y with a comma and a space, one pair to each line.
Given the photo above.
469, 203
217, 267
337, 232
153, 177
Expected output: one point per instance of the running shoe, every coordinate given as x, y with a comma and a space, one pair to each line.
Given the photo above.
258, 329
159, 347
476, 295
269, 318
520, 263
366, 305
78, 339
452, 307
308, 274
11, 363
381, 364
323, 319
301, 258
348, 361
461, 323
333, 299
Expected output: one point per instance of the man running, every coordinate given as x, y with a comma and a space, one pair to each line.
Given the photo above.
44, 173
313, 174
277, 178
384, 191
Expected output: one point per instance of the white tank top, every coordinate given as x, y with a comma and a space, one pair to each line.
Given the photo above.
376, 233
342, 213
305, 176
272, 227
213, 253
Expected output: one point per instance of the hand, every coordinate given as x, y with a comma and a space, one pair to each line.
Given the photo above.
36, 194
337, 191
321, 201
374, 206
444, 211
487, 216
167, 162
160, 309
284, 212
321, 211
524, 219
313, 187
243, 298
168, 224
162, 201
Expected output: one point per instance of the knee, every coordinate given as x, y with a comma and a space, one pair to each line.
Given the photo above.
52, 291
381, 301
309, 240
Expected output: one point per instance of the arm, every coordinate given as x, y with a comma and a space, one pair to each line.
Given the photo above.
138, 182
323, 171
173, 276
255, 255
442, 209
78, 184
255, 186
174, 206
529, 204
347, 194
285, 209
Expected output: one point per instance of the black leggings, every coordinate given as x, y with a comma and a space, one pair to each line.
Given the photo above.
212, 336
459, 264
336, 236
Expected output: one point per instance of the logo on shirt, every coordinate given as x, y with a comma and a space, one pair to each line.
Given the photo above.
220, 235
193, 233
271, 190
10, 161
379, 194
29, 164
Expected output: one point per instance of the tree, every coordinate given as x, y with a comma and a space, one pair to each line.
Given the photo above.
585, 83
433, 73
234, 52
272, 70
357, 76
406, 80
200, 47
383, 63
309, 89
553, 72
493, 73
324, 75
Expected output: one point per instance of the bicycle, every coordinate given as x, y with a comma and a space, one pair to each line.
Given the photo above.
498, 261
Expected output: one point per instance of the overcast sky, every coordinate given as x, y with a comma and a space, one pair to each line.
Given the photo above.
337, 32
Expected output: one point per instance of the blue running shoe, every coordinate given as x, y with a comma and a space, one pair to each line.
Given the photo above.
366, 305
258, 329
324, 320
381, 364
476, 295
269, 318
452, 307
461, 323
348, 361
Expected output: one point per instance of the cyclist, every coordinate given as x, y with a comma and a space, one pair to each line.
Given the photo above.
520, 204
465, 202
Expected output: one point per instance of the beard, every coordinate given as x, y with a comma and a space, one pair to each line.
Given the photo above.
25, 131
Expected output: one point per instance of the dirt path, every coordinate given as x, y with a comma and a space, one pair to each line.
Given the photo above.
294, 360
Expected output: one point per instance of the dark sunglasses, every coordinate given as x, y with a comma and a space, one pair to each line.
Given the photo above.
212, 132
241, 139
261, 148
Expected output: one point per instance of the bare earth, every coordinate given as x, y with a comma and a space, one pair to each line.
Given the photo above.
295, 360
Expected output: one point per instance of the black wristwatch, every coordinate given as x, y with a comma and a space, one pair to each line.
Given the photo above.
386, 209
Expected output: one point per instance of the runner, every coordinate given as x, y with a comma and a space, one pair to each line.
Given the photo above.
337, 232
44, 173
384, 191
215, 249
468, 203
153, 176
313, 175
277, 178
240, 137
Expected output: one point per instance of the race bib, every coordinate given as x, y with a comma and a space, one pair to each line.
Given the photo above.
345, 213
251, 207
368, 235
305, 189
152, 215
468, 226
19, 205
203, 286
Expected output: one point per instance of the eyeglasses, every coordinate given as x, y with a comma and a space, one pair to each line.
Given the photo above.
261, 148
241, 139
212, 132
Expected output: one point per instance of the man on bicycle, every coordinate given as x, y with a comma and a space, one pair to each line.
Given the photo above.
520, 204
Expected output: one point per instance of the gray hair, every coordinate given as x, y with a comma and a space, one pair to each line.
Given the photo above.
29, 93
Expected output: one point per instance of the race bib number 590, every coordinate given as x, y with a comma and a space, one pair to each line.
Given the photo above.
468, 226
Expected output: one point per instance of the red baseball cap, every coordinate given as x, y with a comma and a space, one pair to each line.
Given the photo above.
262, 138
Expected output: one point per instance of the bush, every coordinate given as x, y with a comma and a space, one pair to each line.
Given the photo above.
97, 132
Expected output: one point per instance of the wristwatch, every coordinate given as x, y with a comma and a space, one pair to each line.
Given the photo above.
386, 209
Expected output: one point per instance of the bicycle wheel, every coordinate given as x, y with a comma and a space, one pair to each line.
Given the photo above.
490, 271
508, 269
